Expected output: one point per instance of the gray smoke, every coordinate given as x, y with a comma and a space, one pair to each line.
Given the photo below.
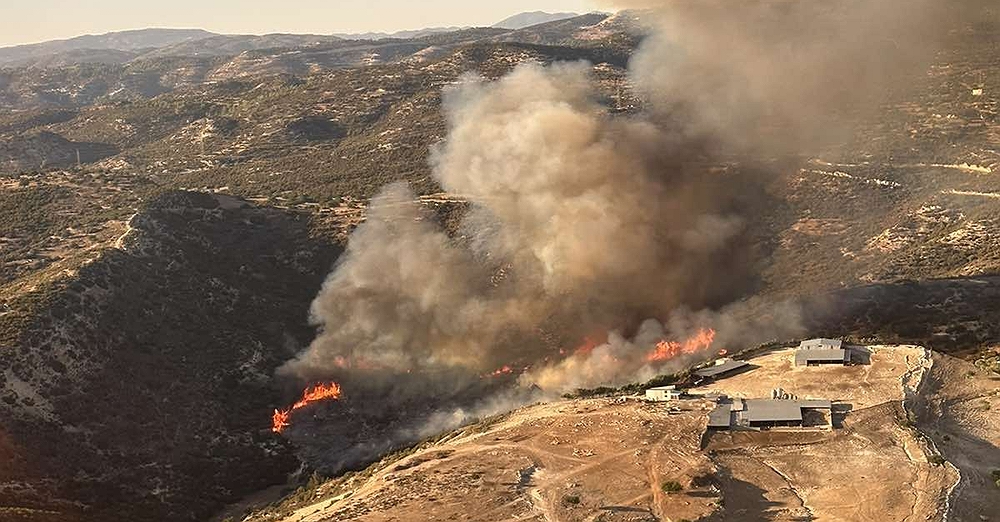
575, 201
583, 221
780, 76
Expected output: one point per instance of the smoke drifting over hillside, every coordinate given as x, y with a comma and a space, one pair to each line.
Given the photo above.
779, 76
600, 222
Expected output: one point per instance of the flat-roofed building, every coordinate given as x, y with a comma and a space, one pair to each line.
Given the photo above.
721, 418
821, 344
818, 357
663, 394
815, 352
722, 368
770, 413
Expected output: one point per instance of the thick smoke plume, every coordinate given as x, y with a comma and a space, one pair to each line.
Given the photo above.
581, 221
593, 228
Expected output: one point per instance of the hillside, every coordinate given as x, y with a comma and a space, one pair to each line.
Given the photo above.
169, 212
134, 383
122, 41
621, 458
528, 19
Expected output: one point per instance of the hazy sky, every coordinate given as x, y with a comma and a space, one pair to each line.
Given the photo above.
24, 21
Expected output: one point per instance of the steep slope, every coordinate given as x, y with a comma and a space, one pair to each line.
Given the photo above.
39, 150
958, 408
139, 388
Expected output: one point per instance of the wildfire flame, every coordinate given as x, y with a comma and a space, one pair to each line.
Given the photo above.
281, 419
669, 349
502, 371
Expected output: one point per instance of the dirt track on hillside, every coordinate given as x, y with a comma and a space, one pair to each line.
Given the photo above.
588, 460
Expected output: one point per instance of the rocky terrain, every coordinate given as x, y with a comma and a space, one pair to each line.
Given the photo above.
168, 211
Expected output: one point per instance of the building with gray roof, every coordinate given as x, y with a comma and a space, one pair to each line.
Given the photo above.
821, 344
815, 352
818, 357
721, 417
722, 368
770, 413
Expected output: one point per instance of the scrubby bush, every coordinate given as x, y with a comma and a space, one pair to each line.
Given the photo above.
571, 500
672, 486
936, 460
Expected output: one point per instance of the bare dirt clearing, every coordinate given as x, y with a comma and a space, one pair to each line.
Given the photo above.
875, 468
861, 386
597, 459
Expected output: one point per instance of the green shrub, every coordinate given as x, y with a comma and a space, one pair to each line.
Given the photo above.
936, 460
672, 486
571, 499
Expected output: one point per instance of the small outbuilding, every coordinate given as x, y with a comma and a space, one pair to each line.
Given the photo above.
663, 394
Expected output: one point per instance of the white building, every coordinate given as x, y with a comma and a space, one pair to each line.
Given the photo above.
663, 394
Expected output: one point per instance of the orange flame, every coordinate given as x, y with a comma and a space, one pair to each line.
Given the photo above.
501, 371
504, 370
669, 349
281, 419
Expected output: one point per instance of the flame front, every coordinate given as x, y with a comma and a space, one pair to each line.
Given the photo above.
281, 419
669, 349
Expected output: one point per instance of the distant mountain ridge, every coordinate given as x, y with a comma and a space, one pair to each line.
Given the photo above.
413, 33
132, 40
124, 46
522, 20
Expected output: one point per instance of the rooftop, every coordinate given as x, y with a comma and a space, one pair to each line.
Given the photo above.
721, 368
821, 343
830, 355
762, 410
772, 410
720, 416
